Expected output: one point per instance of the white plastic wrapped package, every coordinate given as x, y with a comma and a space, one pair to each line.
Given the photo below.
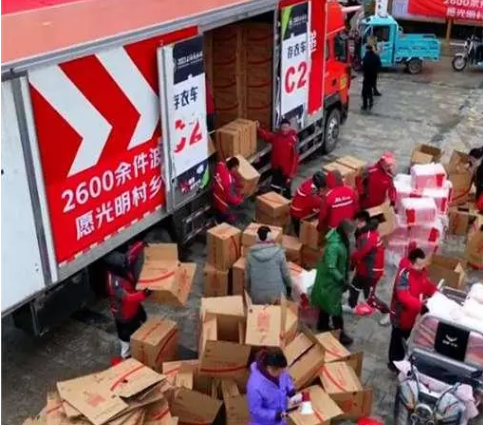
303, 285
476, 292
428, 176
441, 196
473, 309
397, 249
418, 211
431, 232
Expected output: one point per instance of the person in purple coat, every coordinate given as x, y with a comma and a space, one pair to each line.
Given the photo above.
269, 388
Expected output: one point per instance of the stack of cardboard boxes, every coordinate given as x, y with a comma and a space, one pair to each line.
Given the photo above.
426, 154
238, 137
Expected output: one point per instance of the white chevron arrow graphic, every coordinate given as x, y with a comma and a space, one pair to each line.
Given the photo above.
62, 94
130, 80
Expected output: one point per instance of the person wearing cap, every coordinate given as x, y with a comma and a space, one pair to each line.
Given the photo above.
332, 279
225, 190
308, 199
375, 185
267, 274
284, 156
340, 203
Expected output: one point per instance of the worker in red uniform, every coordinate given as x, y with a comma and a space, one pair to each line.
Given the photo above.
411, 288
340, 203
376, 185
284, 156
225, 190
125, 302
308, 199
368, 261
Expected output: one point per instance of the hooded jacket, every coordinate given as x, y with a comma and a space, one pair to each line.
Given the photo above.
369, 255
267, 275
284, 156
306, 200
266, 399
375, 185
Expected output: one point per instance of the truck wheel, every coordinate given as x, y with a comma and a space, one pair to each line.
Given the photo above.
415, 66
459, 63
331, 133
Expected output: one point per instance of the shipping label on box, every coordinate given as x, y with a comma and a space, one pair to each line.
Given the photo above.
309, 234
293, 248
272, 204
215, 282
155, 342
238, 276
223, 246
249, 237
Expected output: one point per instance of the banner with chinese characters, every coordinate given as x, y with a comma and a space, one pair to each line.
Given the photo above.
460, 10
317, 52
295, 62
186, 108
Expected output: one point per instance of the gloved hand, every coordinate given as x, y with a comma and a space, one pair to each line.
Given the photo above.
147, 292
424, 309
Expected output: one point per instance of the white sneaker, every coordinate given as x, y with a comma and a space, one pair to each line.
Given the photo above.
346, 308
385, 320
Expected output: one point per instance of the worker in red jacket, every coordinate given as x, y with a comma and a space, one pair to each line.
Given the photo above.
225, 190
125, 301
340, 203
368, 261
284, 156
375, 185
308, 199
411, 288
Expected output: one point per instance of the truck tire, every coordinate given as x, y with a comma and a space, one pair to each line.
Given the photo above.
331, 132
415, 66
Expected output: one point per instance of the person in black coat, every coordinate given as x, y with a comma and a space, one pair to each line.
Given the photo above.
476, 166
371, 63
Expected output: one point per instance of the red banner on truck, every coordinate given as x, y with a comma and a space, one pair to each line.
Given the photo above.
465, 10
317, 51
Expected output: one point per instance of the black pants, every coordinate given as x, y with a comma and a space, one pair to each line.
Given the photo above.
367, 95
324, 319
281, 184
296, 225
374, 86
396, 346
225, 217
367, 286
126, 328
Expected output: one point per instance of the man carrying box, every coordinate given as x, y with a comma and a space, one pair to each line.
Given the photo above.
284, 156
307, 199
225, 190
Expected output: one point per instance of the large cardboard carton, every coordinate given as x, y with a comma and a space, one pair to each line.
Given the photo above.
309, 234
249, 237
215, 282
342, 384
193, 407
225, 306
353, 163
448, 268
474, 246
238, 276
311, 257
305, 357
161, 252
248, 177
348, 174
386, 217
235, 403
249, 145
293, 249
223, 246
155, 342
273, 205
425, 154
460, 177
281, 221
325, 409
223, 352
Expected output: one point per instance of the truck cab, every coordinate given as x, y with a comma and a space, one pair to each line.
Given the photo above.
395, 47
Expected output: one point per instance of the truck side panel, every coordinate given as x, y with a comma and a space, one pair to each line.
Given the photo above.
22, 273
426, 47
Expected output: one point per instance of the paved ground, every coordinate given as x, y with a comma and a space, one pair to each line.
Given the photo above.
438, 107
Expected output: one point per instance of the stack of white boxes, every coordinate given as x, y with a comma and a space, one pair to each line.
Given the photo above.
422, 204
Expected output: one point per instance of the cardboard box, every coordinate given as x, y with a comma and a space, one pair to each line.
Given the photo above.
215, 282
341, 383
311, 257
293, 248
155, 342
325, 409
223, 246
474, 246
161, 251
348, 174
460, 177
460, 218
249, 237
231, 306
386, 216
448, 268
282, 221
353, 163
273, 205
223, 352
425, 154
249, 127
249, 177
158, 414
238, 276
193, 407
228, 141
236, 404
305, 357
309, 235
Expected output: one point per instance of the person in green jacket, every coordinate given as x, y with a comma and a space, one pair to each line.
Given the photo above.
331, 280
